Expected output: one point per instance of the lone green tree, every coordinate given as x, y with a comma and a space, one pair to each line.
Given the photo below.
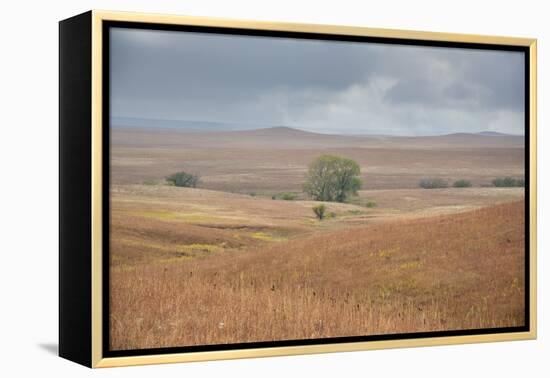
332, 178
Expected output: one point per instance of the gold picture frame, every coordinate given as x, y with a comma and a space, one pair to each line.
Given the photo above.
90, 329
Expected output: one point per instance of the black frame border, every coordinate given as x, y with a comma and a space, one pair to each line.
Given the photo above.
75, 189
106, 25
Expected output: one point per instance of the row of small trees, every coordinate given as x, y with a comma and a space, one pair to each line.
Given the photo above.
436, 183
501, 182
508, 182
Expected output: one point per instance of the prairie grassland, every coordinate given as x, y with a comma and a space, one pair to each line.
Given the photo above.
149, 223
233, 262
442, 272
275, 160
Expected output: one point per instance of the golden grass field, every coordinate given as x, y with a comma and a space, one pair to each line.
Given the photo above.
206, 266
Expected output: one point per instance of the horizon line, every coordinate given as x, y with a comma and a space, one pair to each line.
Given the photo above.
257, 127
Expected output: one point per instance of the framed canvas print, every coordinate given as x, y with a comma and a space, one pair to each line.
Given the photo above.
236, 189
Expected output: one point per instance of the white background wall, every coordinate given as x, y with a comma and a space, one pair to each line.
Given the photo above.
28, 158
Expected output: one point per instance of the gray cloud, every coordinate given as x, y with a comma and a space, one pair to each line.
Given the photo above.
315, 85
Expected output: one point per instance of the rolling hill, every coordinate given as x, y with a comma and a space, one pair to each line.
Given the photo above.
460, 271
289, 138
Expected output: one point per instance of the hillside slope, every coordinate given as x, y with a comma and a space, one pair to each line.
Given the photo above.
460, 271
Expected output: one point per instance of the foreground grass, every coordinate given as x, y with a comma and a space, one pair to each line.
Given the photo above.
461, 271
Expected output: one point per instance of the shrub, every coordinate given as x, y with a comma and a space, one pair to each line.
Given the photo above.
508, 182
462, 184
252, 194
288, 196
332, 178
370, 204
150, 182
433, 183
319, 211
520, 183
183, 179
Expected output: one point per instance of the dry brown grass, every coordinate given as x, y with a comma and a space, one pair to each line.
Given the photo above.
460, 271
149, 223
274, 162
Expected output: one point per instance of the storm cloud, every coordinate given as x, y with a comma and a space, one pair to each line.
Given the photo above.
323, 86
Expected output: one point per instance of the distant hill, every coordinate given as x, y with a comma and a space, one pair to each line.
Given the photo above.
182, 125
279, 131
482, 133
208, 135
494, 133
264, 130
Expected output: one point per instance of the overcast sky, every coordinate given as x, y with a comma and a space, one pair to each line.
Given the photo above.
322, 86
